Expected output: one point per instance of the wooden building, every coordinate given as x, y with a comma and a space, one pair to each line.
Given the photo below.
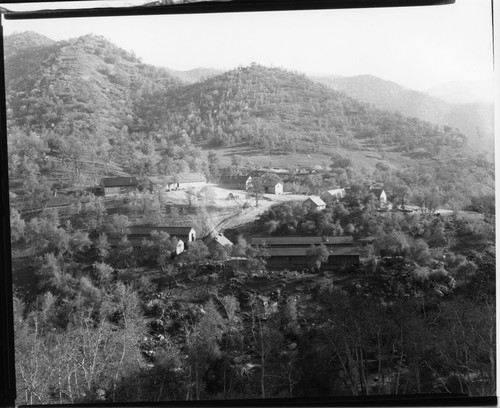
236, 182
290, 252
314, 203
272, 187
181, 181
215, 241
113, 186
332, 196
379, 194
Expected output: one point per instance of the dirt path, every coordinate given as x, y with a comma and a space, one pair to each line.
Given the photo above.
231, 212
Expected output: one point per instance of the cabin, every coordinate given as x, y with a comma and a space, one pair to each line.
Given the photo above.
290, 252
272, 187
236, 182
314, 203
175, 182
334, 195
114, 186
379, 194
184, 234
215, 241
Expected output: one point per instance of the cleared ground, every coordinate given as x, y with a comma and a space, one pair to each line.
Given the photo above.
218, 211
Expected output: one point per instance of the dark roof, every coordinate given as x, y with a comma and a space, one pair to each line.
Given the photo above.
119, 181
334, 193
219, 238
178, 178
377, 191
172, 231
293, 251
316, 200
265, 182
134, 242
302, 240
234, 179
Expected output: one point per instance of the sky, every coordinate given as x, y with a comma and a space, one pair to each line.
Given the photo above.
417, 47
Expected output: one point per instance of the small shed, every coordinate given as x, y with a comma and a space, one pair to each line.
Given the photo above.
380, 195
331, 196
113, 186
272, 187
216, 240
236, 182
315, 203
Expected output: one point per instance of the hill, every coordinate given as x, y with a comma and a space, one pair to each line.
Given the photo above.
475, 120
194, 75
84, 108
285, 112
81, 85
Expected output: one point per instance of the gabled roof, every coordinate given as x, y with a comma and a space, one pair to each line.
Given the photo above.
302, 240
377, 191
270, 183
172, 231
334, 192
218, 238
234, 179
292, 251
178, 178
316, 200
119, 181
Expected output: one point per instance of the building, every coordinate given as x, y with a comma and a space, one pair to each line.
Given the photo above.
215, 241
314, 203
138, 234
290, 252
272, 187
113, 186
302, 241
187, 234
296, 258
331, 196
236, 182
181, 181
379, 194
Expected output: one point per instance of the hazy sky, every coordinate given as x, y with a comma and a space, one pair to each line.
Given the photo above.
418, 47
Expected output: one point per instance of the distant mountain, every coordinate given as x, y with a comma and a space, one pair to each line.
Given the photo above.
475, 120
464, 92
88, 86
194, 75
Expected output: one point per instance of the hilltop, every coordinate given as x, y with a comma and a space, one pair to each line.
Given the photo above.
85, 84
475, 120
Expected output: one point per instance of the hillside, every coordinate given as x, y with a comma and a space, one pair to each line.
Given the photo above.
91, 109
475, 120
284, 112
194, 75
81, 85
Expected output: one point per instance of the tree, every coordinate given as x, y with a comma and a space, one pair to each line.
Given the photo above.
316, 255
118, 225
17, 225
213, 166
271, 226
203, 341
102, 247
341, 161
256, 190
198, 252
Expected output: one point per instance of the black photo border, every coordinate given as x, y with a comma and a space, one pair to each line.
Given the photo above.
7, 351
